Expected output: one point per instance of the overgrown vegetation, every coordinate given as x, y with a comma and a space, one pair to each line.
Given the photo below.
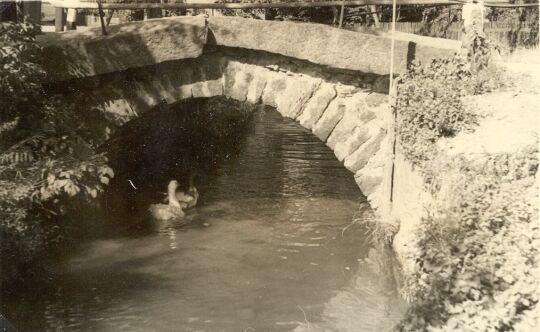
478, 266
429, 99
477, 262
47, 159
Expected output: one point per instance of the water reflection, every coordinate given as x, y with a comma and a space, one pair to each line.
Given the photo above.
270, 247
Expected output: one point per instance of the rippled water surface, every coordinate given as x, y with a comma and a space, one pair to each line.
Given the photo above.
266, 249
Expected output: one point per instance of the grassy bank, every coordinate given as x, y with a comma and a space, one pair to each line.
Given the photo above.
477, 260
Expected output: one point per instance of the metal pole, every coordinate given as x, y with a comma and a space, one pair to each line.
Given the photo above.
391, 125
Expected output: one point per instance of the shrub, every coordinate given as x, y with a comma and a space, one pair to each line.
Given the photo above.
429, 105
478, 250
47, 156
479, 259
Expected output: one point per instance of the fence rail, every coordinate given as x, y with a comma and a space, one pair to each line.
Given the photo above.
78, 4
504, 35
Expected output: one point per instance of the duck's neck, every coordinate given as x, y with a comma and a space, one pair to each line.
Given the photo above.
172, 197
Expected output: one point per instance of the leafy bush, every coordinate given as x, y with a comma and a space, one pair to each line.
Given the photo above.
429, 103
478, 250
479, 261
47, 156
20, 75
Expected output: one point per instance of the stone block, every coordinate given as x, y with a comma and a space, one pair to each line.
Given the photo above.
316, 43
257, 85
370, 181
359, 158
132, 45
330, 118
354, 105
276, 83
238, 77
299, 90
185, 88
208, 78
345, 148
207, 89
376, 99
316, 105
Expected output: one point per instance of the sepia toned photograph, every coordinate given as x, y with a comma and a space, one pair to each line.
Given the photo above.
269, 165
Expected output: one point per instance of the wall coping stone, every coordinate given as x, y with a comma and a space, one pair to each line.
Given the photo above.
77, 54
325, 45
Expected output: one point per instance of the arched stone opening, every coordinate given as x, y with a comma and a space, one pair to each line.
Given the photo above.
340, 108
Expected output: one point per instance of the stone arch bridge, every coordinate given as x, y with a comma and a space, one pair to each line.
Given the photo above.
331, 81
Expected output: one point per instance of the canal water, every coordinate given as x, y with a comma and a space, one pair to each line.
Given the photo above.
271, 245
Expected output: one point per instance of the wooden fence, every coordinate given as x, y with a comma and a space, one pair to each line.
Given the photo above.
504, 34
507, 35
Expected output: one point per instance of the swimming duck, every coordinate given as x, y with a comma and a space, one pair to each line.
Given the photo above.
189, 198
169, 211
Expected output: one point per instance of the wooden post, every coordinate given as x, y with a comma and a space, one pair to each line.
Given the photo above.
473, 14
375, 15
341, 14
59, 19
71, 19
152, 13
101, 19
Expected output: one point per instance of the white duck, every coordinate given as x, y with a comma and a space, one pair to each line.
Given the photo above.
186, 199
169, 211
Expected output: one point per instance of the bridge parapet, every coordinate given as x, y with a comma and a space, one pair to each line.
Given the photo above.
77, 54
325, 45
